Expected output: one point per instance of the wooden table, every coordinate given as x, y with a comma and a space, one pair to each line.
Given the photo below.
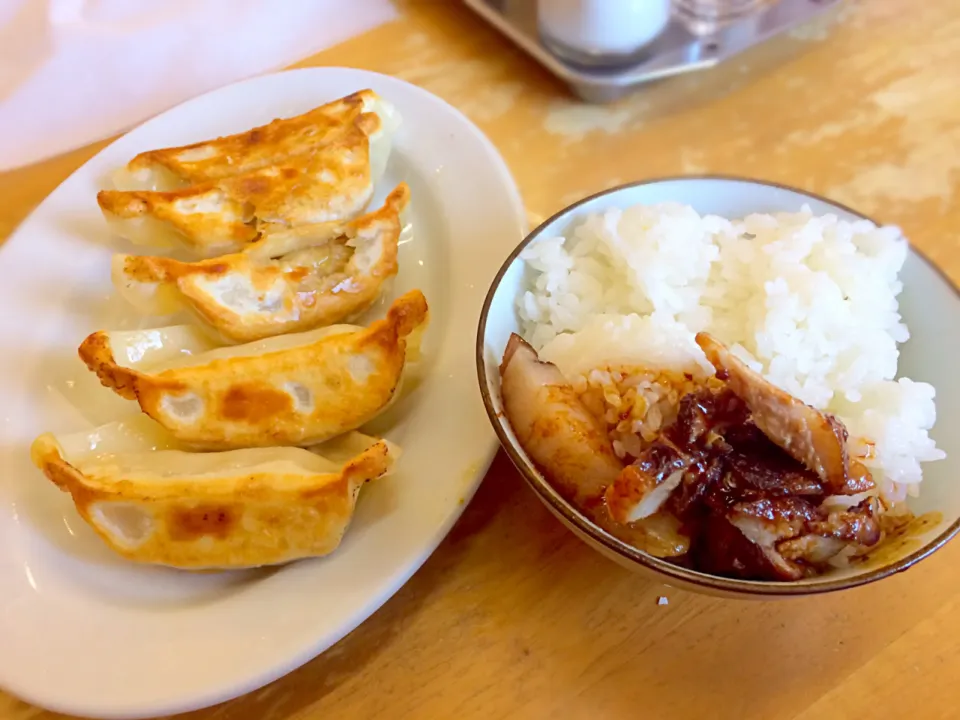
513, 616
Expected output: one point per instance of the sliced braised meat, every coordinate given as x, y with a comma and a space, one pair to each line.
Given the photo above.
719, 548
742, 471
566, 442
641, 488
744, 465
685, 456
859, 524
781, 517
767, 522
750, 477
757, 468
813, 550
781, 538
816, 439
704, 417
698, 482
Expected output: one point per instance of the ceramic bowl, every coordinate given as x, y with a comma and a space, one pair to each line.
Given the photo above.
929, 304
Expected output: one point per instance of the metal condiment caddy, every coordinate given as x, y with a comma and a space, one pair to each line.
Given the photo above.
693, 40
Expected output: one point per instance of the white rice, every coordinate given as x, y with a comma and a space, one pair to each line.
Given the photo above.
808, 301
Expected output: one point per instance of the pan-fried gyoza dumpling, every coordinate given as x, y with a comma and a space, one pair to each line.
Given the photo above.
177, 167
295, 389
223, 216
202, 511
290, 281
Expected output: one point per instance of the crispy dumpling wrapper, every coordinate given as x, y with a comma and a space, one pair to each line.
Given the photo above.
202, 511
296, 389
173, 168
222, 216
291, 281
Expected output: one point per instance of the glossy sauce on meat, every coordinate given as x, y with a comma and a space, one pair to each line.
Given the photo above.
816, 439
902, 535
735, 485
751, 510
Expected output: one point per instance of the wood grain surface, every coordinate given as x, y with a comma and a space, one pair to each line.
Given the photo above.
513, 617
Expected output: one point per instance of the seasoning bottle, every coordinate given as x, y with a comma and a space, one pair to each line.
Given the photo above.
601, 32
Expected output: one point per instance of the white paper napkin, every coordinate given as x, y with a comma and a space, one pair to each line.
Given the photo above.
76, 71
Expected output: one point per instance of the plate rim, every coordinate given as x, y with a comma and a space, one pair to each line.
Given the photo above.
628, 554
486, 447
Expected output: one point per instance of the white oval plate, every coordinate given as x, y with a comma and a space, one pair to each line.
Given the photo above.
84, 632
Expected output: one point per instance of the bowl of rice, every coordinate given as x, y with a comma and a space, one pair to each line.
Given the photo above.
649, 309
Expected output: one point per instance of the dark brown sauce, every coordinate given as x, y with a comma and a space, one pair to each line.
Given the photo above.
902, 536
749, 508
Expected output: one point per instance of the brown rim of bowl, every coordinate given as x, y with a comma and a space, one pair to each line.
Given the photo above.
674, 572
